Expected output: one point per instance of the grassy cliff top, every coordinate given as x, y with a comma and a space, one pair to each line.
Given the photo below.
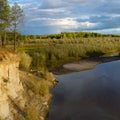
6, 56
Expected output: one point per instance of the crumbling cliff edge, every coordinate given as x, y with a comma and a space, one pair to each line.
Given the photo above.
22, 95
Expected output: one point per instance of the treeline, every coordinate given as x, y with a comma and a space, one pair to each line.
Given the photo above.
62, 36
70, 35
48, 40
10, 19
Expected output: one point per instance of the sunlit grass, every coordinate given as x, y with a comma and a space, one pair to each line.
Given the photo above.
54, 52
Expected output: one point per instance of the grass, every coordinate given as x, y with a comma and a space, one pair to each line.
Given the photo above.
50, 53
25, 60
37, 92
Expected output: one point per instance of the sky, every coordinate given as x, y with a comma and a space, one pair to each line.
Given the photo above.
55, 16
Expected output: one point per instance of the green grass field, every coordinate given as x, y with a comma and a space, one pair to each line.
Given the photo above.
51, 53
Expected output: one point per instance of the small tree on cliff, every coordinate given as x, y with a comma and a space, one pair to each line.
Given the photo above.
16, 20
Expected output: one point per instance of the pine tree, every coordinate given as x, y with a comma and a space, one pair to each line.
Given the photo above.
4, 19
16, 19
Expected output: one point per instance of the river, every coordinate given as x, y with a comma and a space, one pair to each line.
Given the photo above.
88, 95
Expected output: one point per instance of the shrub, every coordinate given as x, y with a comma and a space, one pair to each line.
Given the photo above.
32, 113
25, 61
95, 54
44, 88
38, 86
38, 60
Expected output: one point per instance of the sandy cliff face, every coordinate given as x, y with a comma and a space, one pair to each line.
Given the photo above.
25, 96
11, 89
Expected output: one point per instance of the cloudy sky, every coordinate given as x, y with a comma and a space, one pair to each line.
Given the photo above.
55, 16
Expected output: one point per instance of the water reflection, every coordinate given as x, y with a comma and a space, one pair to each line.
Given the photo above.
88, 95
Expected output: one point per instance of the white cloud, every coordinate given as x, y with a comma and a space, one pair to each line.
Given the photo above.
66, 23
55, 10
87, 24
108, 31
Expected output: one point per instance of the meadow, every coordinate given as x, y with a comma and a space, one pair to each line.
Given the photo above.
51, 53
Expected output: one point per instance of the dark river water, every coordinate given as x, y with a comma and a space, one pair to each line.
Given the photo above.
88, 95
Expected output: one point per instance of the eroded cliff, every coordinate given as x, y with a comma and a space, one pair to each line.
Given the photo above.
11, 89
23, 96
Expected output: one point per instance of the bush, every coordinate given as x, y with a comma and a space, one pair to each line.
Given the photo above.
44, 88
32, 113
25, 61
38, 86
95, 54
39, 60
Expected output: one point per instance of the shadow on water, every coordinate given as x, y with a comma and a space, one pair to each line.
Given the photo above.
88, 95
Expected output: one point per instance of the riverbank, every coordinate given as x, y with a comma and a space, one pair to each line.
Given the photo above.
37, 94
83, 64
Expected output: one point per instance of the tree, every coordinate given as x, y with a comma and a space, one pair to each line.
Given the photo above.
1, 16
16, 20
4, 19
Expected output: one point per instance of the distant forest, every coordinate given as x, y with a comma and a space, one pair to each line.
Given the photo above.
73, 35
63, 35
